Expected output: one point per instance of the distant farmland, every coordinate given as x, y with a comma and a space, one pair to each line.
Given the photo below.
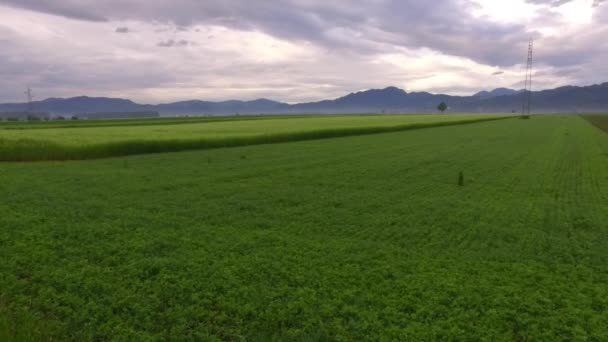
67, 140
355, 238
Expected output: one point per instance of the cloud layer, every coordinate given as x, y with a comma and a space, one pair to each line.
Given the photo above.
294, 50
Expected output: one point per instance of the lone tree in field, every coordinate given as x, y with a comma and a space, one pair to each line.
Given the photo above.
442, 107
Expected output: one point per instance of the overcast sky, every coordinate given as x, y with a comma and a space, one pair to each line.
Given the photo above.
155, 51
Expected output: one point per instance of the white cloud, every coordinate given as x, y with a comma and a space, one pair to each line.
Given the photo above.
315, 50
511, 11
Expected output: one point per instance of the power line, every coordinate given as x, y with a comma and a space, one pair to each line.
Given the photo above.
30, 99
527, 94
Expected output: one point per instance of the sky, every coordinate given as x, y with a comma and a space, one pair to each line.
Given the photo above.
156, 51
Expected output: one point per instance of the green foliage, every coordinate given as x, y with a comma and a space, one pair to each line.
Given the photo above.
18, 325
358, 238
73, 143
442, 107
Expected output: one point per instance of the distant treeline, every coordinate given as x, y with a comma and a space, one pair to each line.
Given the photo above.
31, 116
24, 116
119, 115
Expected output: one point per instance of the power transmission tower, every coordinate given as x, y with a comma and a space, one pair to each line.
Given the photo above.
30, 98
527, 94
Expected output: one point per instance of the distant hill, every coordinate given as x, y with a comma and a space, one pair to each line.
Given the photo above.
259, 106
118, 115
393, 100
74, 105
388, 100
497, 92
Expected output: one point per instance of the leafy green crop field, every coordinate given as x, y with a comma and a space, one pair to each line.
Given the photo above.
346, 239
51, 141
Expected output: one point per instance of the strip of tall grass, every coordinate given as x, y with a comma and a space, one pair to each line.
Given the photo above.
598, 120
40, 150
21, 125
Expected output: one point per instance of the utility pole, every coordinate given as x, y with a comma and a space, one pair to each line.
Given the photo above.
527, 94
30, 98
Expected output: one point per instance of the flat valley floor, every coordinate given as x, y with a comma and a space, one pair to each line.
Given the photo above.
344, 239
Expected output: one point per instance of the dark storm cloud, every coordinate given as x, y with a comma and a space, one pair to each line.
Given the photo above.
67, 8
174, 43
366, 27
419, 23
580, 48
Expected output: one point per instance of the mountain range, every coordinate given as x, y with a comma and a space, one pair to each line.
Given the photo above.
568, 99
497, 92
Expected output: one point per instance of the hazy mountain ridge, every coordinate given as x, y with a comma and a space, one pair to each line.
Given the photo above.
390, 100
497, 92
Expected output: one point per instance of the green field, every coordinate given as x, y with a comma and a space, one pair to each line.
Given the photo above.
346, 239
90, 140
